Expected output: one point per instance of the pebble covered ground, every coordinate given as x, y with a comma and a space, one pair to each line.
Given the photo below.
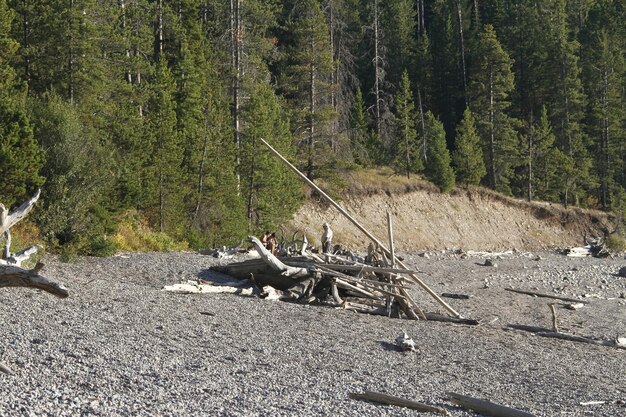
120, 346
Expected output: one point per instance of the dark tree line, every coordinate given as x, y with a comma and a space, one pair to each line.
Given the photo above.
156, 107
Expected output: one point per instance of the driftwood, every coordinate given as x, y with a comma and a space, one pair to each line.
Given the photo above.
276, 264
393, 400
11, 275
538, 294
5, 369
8, 220
413, 276
485, 407
545, 332
447, 319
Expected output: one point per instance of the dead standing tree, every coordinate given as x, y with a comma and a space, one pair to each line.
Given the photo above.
11, 273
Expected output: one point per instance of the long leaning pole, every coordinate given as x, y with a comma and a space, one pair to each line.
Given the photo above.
361, 228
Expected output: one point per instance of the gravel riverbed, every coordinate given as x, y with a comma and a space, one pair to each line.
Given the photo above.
120, 346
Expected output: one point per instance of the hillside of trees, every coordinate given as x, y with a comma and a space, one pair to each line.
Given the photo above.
150, 111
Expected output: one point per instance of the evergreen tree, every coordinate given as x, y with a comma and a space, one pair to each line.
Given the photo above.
544, 179
604, 71
163, 173
364, 149
272, 192
490, 85
77, 170
398, 17
307, 85
468, 156
20, 156
438, 165
565, 99
448, 92
406, 150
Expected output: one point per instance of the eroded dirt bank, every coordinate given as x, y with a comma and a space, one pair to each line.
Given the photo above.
464, 219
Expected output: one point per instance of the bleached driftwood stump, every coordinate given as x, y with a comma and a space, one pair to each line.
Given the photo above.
11, 273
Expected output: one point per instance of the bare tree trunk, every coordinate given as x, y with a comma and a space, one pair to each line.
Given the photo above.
235, 22
70, 85
205, 148
476, 14
334, 77
26, 40
128, 76
423, 124
159, 46
492, 138
531, 155
311, 138
605, 139
377, 69
462, 45
251, 187
419, 6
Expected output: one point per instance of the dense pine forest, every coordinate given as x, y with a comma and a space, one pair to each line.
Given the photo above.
149, 113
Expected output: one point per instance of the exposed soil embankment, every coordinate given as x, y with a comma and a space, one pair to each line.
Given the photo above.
465, 219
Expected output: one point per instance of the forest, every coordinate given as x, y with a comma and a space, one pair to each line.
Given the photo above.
147, 115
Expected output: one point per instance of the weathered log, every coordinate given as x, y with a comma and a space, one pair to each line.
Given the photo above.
16, 259
393, 400
369, 268
13, 276
538, 294
544, 332
447, 319
276, 264
5, 369
8, 220
485, 407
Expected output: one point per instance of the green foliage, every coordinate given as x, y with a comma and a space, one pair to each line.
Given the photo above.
306, 84
438, 162
406, 148
468, 156
77, 170
490, 85
20, 155
133, 234
272, 192
108, 119
162, 179
364, 148
545, 179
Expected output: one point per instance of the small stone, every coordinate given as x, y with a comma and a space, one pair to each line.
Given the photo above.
490, 262
622, 272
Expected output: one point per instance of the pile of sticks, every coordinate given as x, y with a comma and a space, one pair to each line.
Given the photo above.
372, 285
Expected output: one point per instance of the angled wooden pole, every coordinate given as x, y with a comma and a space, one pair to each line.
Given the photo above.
360, 227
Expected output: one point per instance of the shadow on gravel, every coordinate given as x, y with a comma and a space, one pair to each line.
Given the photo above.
216, 277
390, 346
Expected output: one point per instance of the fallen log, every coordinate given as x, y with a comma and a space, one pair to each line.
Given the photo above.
545, 332
13, 276
393, 400
447, 319
538, 294
485, 407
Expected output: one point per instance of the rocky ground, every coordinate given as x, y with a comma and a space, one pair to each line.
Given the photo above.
119, 345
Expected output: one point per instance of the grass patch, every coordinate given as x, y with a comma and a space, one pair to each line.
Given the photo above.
616, 243
134, 235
